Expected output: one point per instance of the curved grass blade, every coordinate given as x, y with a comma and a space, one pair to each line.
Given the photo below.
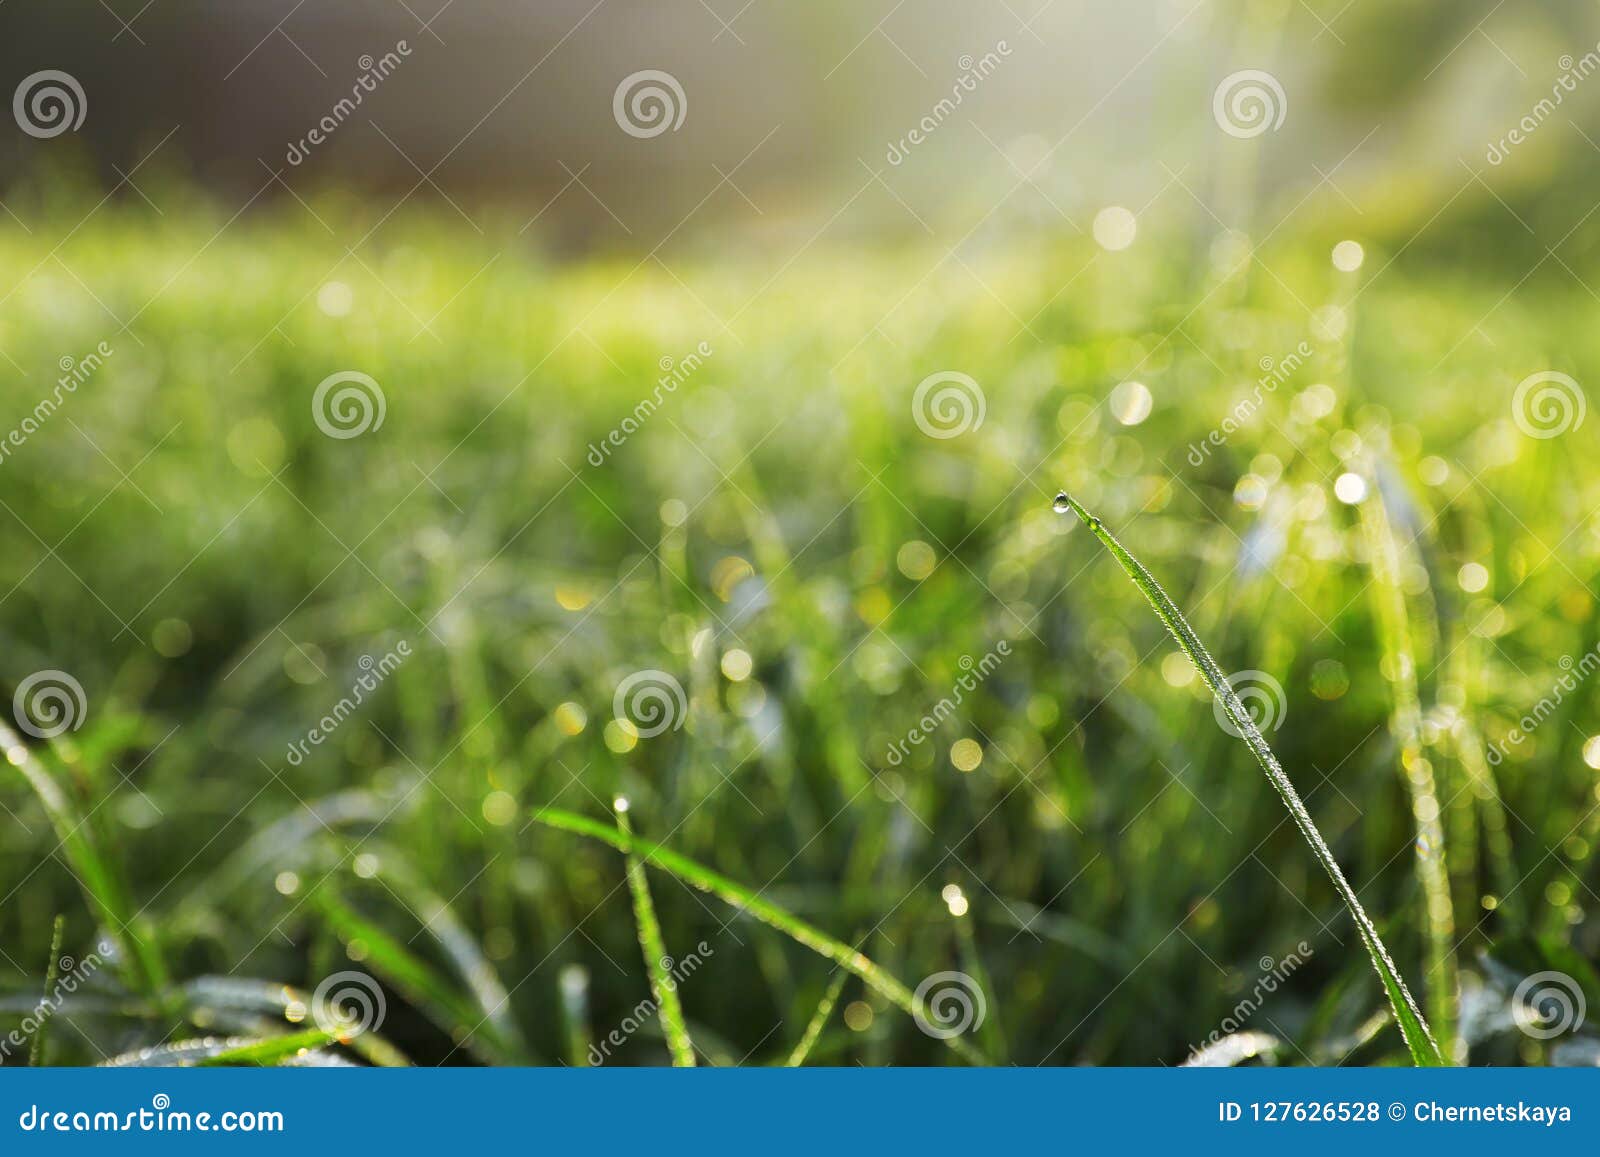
819, 1019
303, 1049
698, 875
104, 886
1419, 1040
270, 1051
257, 1008
417, 980
663, 985
440, 921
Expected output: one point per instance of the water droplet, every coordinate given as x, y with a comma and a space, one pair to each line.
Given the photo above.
1062, 504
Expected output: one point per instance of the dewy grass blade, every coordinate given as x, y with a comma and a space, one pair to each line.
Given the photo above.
52, 973
663, 985
1418, 1037
271, 1051
1441, 982
702, 877
103, 883
819, 1020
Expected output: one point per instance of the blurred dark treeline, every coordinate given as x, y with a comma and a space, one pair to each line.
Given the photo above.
791, 107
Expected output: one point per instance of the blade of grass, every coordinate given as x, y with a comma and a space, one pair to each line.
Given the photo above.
1419, 1040
1400, 663
260, 1007
272, 1050
1469, 747
52, 972
440, 922
574, 986
698, 875
819, 1019
989, 1032
663, 985
103, 885
416, 979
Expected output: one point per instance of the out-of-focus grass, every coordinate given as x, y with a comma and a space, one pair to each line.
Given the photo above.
783, 540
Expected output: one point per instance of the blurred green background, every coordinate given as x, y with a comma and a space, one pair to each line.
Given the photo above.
636, 401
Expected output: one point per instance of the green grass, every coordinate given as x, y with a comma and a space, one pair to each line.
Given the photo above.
663, 984
812, 569
1419, 1040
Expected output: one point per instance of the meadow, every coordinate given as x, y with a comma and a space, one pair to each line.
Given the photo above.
362, 686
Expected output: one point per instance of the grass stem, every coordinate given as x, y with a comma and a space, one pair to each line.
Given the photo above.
1418, 1037
1400, 665
663, 984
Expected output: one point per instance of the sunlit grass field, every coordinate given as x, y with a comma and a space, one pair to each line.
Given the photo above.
1073, 830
